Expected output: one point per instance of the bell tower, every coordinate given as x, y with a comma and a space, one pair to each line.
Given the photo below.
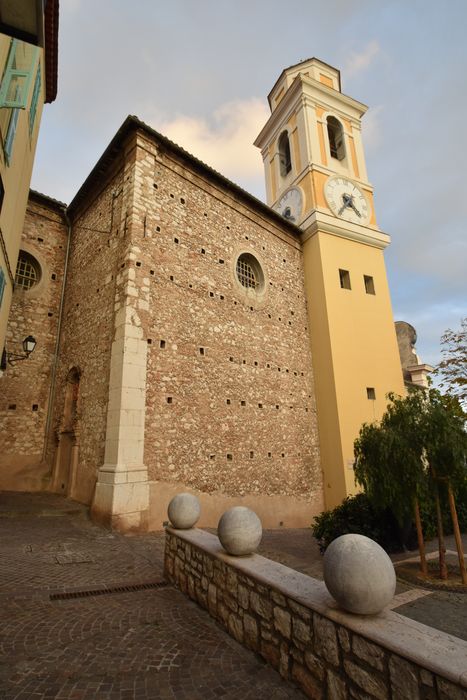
316, 176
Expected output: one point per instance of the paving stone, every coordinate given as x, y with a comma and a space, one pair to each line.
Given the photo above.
152, 643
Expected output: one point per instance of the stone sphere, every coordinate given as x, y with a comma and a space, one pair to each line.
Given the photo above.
359, 574
184, 511
239, 531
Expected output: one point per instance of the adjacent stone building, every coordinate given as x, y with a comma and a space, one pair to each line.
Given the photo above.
190, 337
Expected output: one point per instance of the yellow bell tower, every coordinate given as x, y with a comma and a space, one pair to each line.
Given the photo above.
316, 176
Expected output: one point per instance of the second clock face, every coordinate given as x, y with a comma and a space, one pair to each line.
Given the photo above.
346, 200
290, 205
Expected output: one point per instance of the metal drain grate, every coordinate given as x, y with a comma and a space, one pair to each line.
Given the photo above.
108, 591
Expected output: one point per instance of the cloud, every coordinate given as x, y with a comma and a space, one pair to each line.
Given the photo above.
225, 140
358, 62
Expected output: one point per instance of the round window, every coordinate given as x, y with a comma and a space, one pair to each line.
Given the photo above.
249, 272
28, 271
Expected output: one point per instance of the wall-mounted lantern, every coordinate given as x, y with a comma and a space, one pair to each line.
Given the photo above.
29, 344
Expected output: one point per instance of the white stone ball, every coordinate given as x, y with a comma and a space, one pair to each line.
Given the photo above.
239, 531
359, 574
184, 511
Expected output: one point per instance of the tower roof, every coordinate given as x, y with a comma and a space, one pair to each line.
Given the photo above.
301, 67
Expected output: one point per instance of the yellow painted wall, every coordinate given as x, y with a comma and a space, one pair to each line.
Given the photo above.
16, 178
354, 347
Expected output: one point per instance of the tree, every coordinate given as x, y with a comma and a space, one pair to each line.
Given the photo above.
453, 366
389, 461
419, 444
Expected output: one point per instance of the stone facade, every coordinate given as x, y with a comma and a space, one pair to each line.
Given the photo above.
292, 622
26, 384
171, 375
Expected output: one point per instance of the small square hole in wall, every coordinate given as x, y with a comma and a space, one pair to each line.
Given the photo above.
242, 403
269, 454
370, 393
211, 294
155, 186
12, 407
344, 279
151, 272
227, 401
212, 456
172, 196
229, 457
53, 276
221, 297
162, 344
369, 284
260, 405
169, 399
158, 228
138, 264
171, 278
201, 351
283, 454
203, 251
252, 454
256, 363
277, 406
149, 341
176, 240
41, 240
35, 407
230, 359
243, 362
182, 201
50, 314
221, 262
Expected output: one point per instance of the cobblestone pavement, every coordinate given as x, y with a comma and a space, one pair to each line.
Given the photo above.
151, 643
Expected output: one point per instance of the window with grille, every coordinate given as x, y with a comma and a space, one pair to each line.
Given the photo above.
27, 271
246, 274
249, 274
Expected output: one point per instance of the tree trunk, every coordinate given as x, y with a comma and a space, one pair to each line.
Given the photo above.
457, 535
421, 542
443, 571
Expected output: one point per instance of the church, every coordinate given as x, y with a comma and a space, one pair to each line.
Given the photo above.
192, 338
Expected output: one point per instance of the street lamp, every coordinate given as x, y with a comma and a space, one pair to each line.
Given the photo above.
29, 344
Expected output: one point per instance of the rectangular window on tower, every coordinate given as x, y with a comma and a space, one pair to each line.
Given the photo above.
369, 284
344, 278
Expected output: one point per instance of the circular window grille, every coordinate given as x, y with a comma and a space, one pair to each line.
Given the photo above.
249, 272
28, 271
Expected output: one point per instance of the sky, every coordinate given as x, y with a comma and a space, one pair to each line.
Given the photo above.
199, 71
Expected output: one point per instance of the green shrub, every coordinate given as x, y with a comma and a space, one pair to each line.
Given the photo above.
357, 515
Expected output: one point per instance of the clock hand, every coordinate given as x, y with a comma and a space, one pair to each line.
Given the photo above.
355, 209
347, 199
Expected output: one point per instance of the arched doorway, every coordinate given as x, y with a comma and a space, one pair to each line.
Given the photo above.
66, 459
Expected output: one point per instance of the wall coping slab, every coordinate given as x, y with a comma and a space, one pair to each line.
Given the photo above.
436, 651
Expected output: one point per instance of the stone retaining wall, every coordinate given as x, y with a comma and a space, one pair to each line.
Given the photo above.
294, 624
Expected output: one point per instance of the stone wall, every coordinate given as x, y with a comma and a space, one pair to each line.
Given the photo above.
97, 274
293, 623
230, 409
25, 385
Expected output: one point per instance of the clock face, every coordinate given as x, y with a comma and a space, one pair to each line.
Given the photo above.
290, 205
346, 200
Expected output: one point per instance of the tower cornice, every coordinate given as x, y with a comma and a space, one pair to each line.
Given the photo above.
319, 222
